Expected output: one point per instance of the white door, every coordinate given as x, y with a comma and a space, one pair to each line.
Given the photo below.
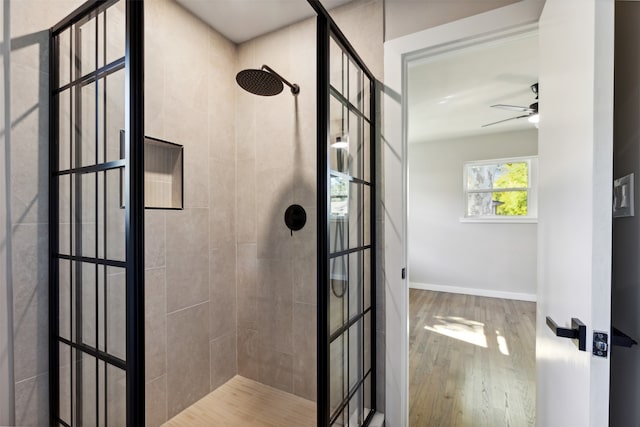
575, 160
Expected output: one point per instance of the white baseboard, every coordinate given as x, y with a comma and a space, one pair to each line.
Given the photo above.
474, 291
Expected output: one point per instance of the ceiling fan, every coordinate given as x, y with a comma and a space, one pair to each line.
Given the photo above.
530, 112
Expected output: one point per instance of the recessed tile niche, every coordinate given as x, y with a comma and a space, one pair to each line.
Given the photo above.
163, 174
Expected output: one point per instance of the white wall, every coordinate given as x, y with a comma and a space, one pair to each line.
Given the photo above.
482, 259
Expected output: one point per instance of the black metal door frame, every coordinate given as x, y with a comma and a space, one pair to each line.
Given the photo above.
327, 29
133, 164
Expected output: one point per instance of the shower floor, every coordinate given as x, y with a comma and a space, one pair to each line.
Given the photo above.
244, 402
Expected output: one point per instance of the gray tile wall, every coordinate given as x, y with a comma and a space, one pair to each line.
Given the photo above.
190, 253
24, 229
276, 167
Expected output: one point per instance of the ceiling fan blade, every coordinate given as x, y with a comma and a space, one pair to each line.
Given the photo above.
505, 120
513, 108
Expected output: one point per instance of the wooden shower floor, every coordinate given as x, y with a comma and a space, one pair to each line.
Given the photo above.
243, 402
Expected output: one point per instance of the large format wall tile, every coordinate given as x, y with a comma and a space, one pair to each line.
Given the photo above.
187, 357
222, 292
29, 145
30, 300
32, 401
304, 350
188, 255
248, 354
247, 287
155, 323
223, 359
155, 246
156, 402
222, 199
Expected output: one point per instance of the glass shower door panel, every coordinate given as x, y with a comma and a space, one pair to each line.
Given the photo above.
89, 261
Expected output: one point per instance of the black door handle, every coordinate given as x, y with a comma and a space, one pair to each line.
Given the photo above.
578, 331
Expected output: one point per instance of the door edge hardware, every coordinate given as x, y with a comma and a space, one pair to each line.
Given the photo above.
600, 346
577, 333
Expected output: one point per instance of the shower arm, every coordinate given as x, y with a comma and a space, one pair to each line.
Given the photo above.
295, 89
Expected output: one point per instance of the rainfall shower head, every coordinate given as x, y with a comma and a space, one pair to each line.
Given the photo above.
264, 82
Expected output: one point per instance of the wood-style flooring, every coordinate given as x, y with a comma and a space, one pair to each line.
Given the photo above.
242, 402
472, 361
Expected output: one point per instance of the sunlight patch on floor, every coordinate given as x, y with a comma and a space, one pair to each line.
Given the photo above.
459, 328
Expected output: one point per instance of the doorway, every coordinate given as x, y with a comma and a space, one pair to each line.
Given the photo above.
472, 232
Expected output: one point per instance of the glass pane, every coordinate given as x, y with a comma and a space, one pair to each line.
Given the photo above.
366, 278
479, 204
65, 382
512, 175
115, 31
338, 137
87, 371
355, 146
64, 58
355, 284
505, 203
116, 397
367, 148
116, 312
355, 215
111, 235
336, 68
84, 214
355, 408
338, 287
356, 343
339, 200
85, 287
366, 99
102, 395
367, 396
337, 362
367, 342
112, 116
355, 85
86, 40
500, 175
64, 298
100, 37
64, 129
101, 306
480, 177
511, 203
86, 138
366, 215
64, 214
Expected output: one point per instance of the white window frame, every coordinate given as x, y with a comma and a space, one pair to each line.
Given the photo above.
532, 197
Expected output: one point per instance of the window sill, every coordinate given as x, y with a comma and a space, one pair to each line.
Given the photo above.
503, 220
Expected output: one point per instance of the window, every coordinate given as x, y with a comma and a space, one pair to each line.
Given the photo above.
502, 190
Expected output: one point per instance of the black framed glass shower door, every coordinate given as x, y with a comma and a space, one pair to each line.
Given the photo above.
96, 305
346, 230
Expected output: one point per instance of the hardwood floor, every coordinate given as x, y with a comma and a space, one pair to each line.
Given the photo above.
472, 361
242, 402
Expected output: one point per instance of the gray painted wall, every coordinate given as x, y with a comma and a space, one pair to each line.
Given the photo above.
625, 292
445, 251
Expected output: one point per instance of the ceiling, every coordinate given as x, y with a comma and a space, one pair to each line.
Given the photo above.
242, 20
450, 94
